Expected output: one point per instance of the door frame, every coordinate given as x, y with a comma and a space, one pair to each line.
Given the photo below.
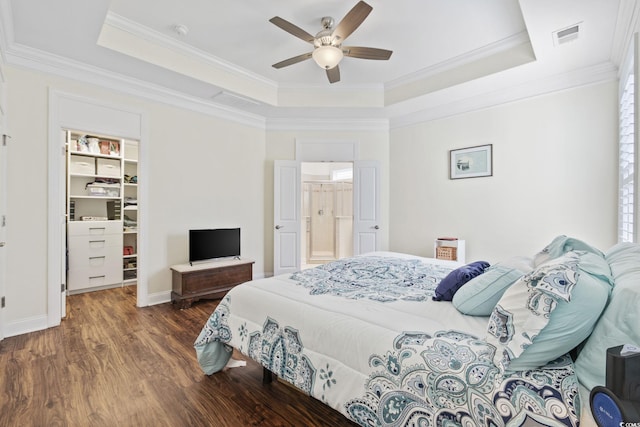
69, 111
4, 188
4, 151
321, 150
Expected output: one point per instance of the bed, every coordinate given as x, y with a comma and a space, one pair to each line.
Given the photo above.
365, 336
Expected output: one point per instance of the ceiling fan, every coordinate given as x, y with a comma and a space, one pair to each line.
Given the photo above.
328, 50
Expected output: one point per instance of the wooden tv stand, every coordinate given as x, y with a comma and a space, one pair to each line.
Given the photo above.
210, 280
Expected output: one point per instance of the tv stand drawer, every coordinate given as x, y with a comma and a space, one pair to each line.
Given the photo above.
207, 281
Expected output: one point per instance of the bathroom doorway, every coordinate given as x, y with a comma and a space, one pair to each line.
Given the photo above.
327, 212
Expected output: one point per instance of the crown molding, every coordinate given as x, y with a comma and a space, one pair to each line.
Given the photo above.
628, 23
460, 60
596, 74
34, 59
351, 87
155, 37
37, 60
6, 29
47, 63
327, 124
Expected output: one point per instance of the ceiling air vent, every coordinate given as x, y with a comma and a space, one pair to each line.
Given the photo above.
567, 34
234, 100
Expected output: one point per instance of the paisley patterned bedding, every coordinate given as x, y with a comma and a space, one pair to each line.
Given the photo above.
379, 358
374, 277
450, 379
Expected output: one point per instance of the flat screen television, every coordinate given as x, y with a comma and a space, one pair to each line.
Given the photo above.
206, 244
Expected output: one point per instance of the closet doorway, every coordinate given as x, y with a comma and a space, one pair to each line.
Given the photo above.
68, 111
327, 212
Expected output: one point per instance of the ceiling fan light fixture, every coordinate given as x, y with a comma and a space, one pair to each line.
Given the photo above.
327, 57
328, 50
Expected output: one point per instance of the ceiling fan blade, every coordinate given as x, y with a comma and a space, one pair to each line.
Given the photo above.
293, 60
333, 74
292, 29
366, 52
352, 20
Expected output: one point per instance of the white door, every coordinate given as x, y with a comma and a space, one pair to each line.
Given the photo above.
287, 183
3, 225
366, 206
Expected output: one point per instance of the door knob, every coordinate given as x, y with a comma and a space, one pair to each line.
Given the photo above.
2, 244
278, 227
377, 227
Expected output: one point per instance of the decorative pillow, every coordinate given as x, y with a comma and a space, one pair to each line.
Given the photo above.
458, 277
597, 266
560, 246
480, 295
619, 321
546, 313
522, 263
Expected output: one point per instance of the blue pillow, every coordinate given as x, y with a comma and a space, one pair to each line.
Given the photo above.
560, 246
619, 321
458, 277
480, 295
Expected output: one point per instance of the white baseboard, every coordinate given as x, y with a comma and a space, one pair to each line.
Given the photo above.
159, 298
24, 326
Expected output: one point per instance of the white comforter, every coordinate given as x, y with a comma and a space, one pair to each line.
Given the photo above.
366, 358
366, 326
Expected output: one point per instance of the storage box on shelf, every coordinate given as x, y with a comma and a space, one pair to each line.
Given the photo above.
449, 248
447, 252
109, 167
82, 165
103, 189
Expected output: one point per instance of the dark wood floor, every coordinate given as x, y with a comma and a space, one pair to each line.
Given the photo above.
113, 364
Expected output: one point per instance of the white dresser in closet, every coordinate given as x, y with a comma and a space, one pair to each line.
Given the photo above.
95, 254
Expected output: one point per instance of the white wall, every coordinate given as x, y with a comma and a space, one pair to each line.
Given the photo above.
203, 172
555, 172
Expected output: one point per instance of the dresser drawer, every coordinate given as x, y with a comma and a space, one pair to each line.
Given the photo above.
94, 244
94, 228
88, 250
93, 277
95, 254
95, 259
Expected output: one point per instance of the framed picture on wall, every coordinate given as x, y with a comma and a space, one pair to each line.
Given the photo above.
471, 162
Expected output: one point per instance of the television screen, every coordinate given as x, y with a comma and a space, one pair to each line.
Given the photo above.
214, 243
